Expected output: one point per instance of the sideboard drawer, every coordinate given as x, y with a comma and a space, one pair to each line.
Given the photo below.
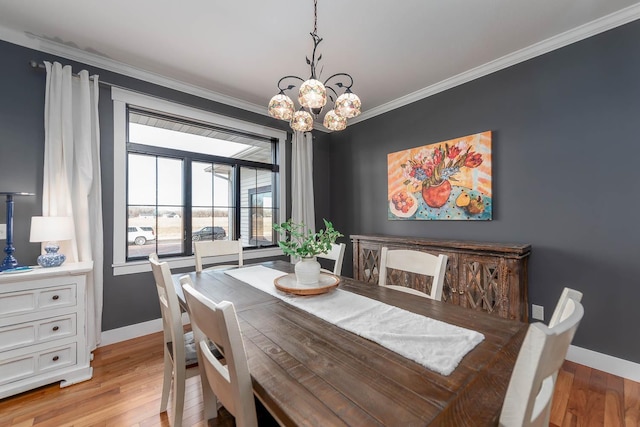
57, 297
42, 330
57, 358
56, 328
16, 303
31, 364
17, 368
20, 302
16, 336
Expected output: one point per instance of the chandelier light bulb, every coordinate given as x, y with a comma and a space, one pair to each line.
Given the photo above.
332, 121
312, 94
281, 107
348, 105
302, 121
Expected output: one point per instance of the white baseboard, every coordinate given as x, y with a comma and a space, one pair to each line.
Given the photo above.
134, 331
604, 362
600, 361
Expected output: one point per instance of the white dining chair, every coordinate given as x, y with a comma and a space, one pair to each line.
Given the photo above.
180, 359
530, 392
563, 306
416, 262
229, 383
215, 248
336, 254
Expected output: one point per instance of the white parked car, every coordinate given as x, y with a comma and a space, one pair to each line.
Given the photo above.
140, 235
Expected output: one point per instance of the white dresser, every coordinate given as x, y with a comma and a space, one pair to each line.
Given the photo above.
43, 337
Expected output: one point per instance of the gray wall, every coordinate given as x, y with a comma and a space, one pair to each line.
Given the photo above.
565, 144
566, 170
128, 299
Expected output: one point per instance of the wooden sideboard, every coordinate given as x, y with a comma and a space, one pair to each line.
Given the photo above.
489, 277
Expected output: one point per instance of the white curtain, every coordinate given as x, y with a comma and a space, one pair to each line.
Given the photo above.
302, 207
72, 185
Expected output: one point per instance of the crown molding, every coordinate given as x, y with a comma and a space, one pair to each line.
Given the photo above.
16, 37
574, 35
75, 54
582, 32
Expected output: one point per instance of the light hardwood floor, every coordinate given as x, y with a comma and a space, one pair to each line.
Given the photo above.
127, 382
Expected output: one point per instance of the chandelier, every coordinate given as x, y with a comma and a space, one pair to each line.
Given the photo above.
313, 95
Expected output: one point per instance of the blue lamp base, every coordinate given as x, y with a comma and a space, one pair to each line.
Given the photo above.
9, 262
51, 258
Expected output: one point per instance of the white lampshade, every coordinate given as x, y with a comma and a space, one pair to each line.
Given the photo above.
51, 228
332, 121
312, 94
348, 105
302, 121
281, 107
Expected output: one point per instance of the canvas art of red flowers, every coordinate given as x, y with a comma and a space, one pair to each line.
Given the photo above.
432, 166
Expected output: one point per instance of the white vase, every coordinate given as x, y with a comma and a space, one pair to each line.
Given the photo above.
307, 271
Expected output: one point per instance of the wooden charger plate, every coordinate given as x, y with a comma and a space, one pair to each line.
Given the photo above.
288, 283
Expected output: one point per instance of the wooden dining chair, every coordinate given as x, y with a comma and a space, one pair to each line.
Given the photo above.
336, 254
180, 358
530, 392
421, 263
213, 248
229, 383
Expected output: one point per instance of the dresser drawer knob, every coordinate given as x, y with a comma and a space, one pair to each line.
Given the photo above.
55, 358
55, 328
56, 297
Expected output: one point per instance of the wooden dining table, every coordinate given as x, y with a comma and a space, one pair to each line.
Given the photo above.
308, 372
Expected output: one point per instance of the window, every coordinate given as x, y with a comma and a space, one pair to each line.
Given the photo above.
190, 175
260, 215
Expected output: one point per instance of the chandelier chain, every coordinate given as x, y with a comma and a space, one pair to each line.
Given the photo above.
315, 17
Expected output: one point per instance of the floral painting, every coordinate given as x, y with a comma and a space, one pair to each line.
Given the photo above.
449, 180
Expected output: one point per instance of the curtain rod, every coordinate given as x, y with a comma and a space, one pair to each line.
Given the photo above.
40, 66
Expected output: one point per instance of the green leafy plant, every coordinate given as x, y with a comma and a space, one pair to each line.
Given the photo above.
304, 243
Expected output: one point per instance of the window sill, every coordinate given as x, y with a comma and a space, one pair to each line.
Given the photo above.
134, 267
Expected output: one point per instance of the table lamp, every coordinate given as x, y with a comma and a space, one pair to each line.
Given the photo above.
51, 229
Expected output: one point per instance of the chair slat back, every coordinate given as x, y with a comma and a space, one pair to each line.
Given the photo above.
336, 254
169, 307
414, 262
530, 391
563, 307
214, 248
231, 383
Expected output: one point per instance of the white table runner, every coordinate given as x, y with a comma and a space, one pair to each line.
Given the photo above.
435, 345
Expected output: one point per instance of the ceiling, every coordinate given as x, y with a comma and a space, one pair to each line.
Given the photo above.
396, 51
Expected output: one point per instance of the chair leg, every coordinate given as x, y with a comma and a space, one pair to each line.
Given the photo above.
179, 384
166, 382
